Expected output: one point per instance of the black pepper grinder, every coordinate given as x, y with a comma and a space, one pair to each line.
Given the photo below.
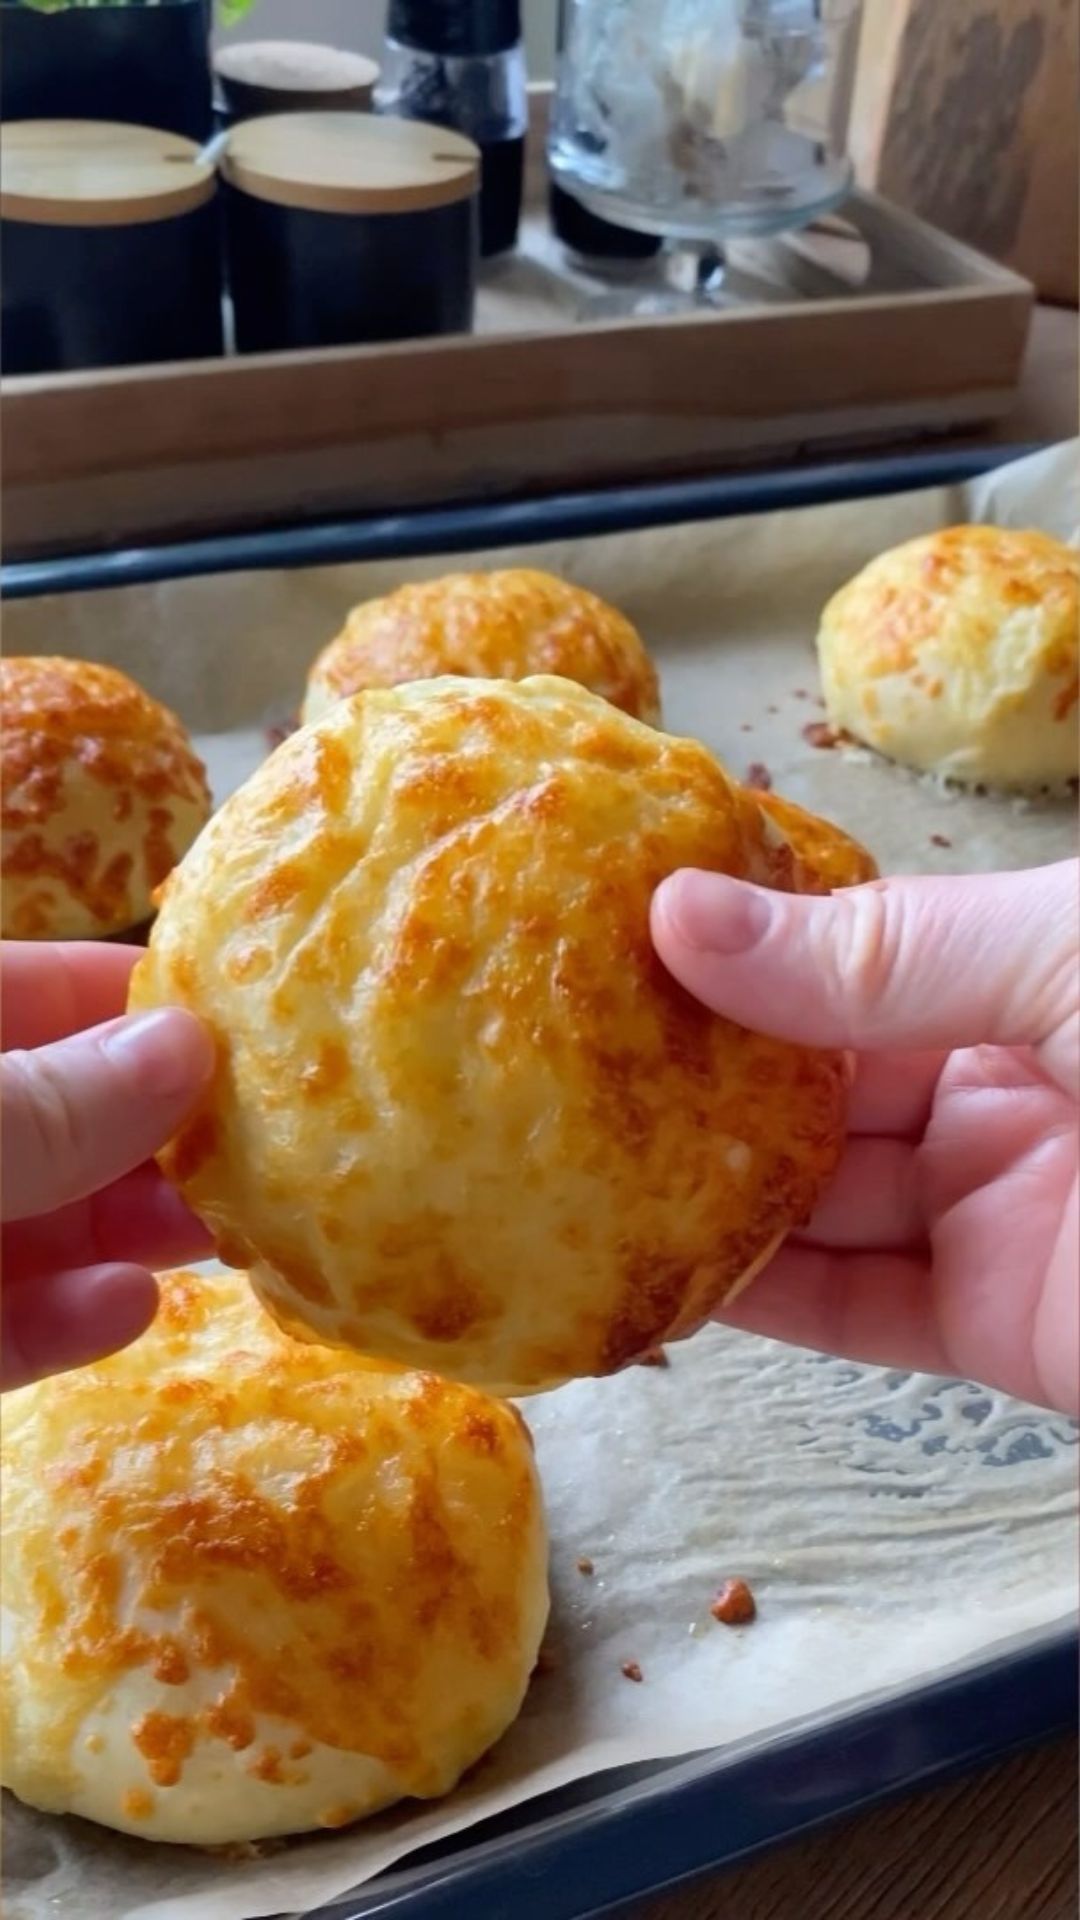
461, 64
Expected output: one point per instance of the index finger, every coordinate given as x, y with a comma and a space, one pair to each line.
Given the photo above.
893, 1093
51, 989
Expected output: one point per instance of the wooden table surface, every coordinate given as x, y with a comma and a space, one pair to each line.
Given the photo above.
997, 1846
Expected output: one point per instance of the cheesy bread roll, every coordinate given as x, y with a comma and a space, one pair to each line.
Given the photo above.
102, 793
830, 857
253, 1587
463, 1118
492, 626
957, 654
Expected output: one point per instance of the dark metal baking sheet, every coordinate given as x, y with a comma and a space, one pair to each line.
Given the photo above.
620, 1836
571, 516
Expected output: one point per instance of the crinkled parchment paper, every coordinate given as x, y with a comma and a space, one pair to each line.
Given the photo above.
890, 1525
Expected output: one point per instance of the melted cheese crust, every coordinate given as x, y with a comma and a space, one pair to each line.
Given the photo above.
254, 1587
463, 1118
829, 857
102, 792
506, 625
957, 654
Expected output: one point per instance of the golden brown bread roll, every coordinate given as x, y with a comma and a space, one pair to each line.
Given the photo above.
490, 626
830, 858
462, 1116
102, 793
253, 1586
957, 654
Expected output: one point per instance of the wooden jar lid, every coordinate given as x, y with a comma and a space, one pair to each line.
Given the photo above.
280, 73
350, 163
94, 173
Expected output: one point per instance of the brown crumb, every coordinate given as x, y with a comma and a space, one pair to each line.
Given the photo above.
734, 1605
772, 709
631, 1671
545, 1663
758, 777
801, 693
745, 727
584, 1565
819, 733
652, 1357
940, 840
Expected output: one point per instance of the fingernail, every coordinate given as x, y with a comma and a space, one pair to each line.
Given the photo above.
165, 1052
713, 913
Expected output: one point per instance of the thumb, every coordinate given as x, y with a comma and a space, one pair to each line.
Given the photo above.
910, 963
80, 1113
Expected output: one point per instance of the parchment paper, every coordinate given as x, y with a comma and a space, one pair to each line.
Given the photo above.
889, 1524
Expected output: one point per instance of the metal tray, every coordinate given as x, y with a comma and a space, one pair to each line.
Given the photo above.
456, 529
622, 1835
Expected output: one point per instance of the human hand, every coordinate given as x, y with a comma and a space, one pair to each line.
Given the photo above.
947, 1241
83, 1106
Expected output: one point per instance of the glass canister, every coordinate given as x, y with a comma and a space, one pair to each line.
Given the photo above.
583, 233
704, 119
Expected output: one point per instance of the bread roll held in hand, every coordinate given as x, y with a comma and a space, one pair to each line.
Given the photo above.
828, 857
463, 1118
253, 1586
958, 654
102, 793
505, 625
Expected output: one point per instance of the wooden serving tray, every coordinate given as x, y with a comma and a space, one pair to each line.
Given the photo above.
871, 328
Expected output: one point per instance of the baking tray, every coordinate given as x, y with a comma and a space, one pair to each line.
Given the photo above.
621, 1835
457, 529
624, 1837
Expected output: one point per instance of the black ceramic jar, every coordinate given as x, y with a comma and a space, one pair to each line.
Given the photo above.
147, 65
346, 227
292, 76
111, 247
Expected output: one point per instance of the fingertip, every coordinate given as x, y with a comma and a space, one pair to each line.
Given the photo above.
166, 1052
116, 1303
710, 912
671, 922
71, 1319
